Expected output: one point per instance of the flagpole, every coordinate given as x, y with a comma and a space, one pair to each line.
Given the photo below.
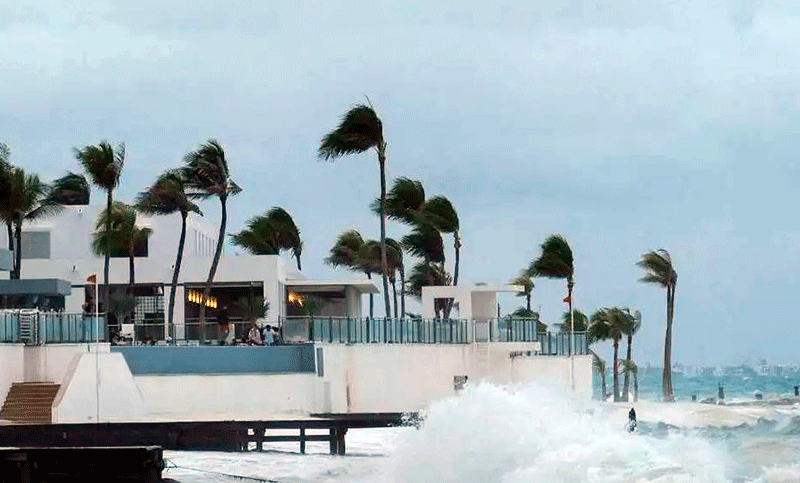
572, 342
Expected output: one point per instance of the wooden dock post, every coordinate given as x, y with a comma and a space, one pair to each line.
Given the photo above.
302, 440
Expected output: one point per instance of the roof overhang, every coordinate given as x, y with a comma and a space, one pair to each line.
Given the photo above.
309, 286
5, 260
49, 287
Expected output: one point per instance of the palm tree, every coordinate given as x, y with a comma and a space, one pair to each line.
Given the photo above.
632, 329
165, 197
346, 253
403, 201
526, 282
270, 233
104, 166
123, 236
658, 265
26, 200
556, 262
599, 366
361, 130
207, 175
425, 242
576, 320
610, 323
630, 367
439, 212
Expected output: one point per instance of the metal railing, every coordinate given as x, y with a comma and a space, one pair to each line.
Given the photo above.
558, 344
35, 328
373, 330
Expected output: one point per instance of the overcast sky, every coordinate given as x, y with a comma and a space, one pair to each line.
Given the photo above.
625, 125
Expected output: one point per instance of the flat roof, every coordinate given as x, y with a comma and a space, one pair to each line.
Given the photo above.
363, 286
43, 286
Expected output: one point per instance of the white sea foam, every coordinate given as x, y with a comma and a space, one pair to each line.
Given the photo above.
531, 434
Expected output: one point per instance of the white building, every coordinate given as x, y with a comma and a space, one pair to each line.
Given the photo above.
60, 248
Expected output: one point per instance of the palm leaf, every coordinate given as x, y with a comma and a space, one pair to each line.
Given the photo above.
555, 260
525, 281
71, 189
425, 242
166, 196
403, 201
359, 130
439, 212
579, 320
658, 267
427, 275
103, 163
344, 252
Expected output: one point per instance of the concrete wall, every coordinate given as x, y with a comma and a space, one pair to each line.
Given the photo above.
50, 362
98, 378
196, 397
389, 377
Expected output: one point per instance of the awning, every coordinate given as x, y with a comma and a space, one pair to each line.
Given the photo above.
48, 287
308, 286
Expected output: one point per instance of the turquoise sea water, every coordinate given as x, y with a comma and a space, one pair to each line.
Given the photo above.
735, 387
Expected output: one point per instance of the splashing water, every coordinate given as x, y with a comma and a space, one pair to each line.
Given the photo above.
535, 434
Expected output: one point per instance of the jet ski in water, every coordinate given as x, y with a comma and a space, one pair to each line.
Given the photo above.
631, 426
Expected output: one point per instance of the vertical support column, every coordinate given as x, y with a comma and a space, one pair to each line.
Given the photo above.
333, 441
302, 440
340, 440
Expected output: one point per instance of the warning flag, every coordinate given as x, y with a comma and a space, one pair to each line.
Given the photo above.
567, 299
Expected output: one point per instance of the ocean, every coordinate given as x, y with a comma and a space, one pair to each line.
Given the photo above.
515, 434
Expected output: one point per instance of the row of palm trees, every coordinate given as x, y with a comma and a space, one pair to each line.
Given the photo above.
556, 261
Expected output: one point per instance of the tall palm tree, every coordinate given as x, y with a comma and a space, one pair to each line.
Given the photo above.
104, 166
610, 323
526, 282
577, 320
631, 330
207, 176
270, 233
659, 270
123, 236
556, 262
403, 201
361, 130
165, 197
346, 253
424, 242
599, 367
26, 200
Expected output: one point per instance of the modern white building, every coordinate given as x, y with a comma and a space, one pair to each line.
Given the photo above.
60, 248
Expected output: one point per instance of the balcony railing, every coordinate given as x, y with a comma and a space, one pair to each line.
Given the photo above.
35, 328
32, 327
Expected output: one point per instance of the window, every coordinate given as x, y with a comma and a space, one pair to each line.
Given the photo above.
36, 244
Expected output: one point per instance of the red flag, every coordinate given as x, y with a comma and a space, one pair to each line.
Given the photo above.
92, 278
567, 299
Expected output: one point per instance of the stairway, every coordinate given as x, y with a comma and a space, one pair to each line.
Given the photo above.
29, 403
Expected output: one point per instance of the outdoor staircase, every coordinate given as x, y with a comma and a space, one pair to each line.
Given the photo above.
30, 403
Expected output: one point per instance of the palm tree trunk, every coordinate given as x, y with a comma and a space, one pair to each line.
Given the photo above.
107, 258
603, 382
402, 293
131, 272
299, 267
616, 369
394, 293
635, 387
666, 380
570, 285
18, 249
10, 229
371, 299
627, 380
213, 271
384, 263
528, 302
175, 274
